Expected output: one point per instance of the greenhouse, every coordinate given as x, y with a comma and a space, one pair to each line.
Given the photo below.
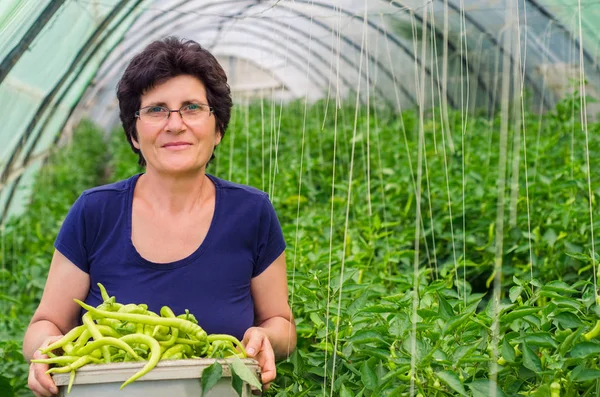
434, 168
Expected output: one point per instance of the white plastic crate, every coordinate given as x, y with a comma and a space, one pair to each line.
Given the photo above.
170, 378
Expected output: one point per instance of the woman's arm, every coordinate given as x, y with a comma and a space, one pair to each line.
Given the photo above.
55, 316
272, 310
274, 336
57, 313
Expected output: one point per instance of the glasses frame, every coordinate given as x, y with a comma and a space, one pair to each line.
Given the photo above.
169, 111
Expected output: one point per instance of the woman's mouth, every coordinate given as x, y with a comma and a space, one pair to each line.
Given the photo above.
176, 145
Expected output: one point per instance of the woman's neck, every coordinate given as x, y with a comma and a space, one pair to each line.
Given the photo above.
176, 195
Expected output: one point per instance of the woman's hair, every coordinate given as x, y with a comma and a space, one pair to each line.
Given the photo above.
165, 59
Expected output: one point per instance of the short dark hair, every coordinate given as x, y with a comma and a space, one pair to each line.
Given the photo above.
162, 60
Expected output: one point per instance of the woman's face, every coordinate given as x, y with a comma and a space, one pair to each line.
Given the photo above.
176, 145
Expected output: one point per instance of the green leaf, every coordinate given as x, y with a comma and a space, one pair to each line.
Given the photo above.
344, 392
560, 287
585, 349
582, 374
542, 391
451, 379
316, 320
550, 237
464, 351
237, 383
368, 337
542, 339
210, 376
515, 292
565, 347
6, 389
457, 321
518, 313
531, 360
445, 309
420, 347
567, 320
379, 309
481, 388
368, 377
240, 369
568, 302
508, 352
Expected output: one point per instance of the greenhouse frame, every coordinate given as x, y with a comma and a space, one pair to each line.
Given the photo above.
433, 164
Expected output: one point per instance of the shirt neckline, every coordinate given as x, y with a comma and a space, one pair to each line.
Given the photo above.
181, 262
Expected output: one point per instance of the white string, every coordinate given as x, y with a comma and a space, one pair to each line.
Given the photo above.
337, 95
300, 172
584, 125
464, 120
350, 176
415, 291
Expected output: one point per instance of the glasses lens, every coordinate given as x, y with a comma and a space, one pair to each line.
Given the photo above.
194, 112
154, 114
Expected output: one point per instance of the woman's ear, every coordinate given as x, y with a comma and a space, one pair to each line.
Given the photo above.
134, 142
218, 137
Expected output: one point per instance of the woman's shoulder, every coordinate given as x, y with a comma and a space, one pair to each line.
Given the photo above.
111, 188
108, 193
238, 189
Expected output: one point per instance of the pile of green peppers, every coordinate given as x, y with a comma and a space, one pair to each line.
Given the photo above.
113, 332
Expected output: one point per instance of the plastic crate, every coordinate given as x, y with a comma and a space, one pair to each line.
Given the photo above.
170, 378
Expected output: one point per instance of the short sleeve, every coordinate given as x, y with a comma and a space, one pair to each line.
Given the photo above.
72, 236
270, 238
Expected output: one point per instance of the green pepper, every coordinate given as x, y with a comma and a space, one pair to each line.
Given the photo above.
96, 334
152, 360
62, 360
81, 361
186, 326
594, 332
105, 343
103, 293
69, 337
173, 350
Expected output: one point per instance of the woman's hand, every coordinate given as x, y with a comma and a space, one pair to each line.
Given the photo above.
39, 382
259, 347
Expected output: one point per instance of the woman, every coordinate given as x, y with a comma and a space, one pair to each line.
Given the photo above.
173, 235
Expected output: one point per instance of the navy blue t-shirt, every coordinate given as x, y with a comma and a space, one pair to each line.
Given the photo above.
243, 239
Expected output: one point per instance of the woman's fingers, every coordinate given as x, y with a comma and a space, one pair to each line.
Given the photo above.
266, 360
36, 382
39, 382
259, 347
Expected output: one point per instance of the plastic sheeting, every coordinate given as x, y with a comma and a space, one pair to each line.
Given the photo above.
61, 59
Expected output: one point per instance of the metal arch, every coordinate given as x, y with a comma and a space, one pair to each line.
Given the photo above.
321, 43
79, 58
495, 42
131, 44
451, 45
222, 21
15, 54
267, 49
322, 25
357, 47
267, 38
304, 34
296, 54
561, 26
385, 70
296, 65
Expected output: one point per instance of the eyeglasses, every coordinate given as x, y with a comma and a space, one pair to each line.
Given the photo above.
190, 113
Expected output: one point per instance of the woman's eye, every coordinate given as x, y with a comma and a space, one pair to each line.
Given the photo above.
192, 107
155, 109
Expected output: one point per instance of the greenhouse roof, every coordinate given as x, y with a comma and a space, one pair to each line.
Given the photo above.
61, 59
